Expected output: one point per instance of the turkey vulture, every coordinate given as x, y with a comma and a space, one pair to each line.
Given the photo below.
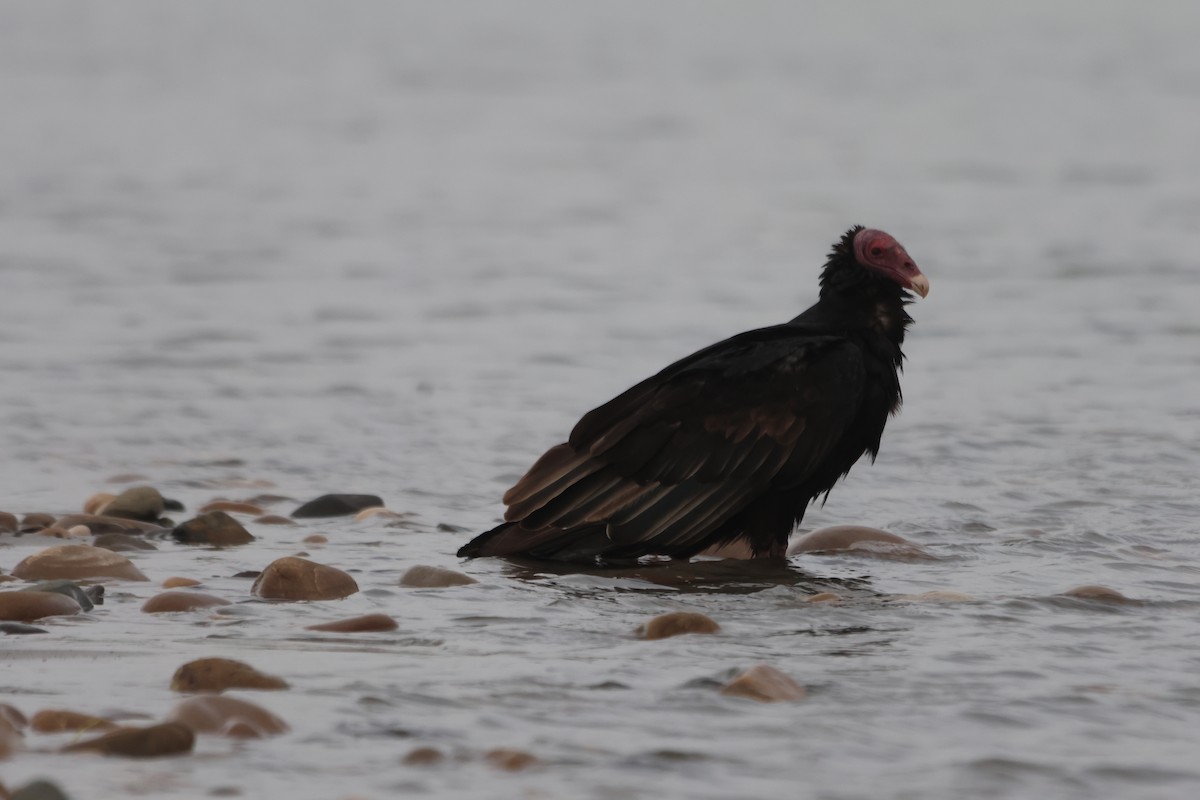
734, 441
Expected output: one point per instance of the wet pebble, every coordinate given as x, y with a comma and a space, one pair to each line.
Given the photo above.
27, 606
424, 757
214, 528
377, 511
143, 503
422, 576
274, 519
316, 538
99, 524
166, 602
765, 684
292, 578
219, 674
823, 597
227, 716
122, 542
69, 588
337, 505
8, 522
98, 502
858, 539
59, 532
166, 739
12, 717
19, 628
53, 720
510, 760
363, 624
677, 623
77, 561
40, 790
1093, 591
36, 522
232, 507
179, 583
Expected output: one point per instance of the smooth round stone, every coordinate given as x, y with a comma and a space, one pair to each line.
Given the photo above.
69, 588
19, 628
39, 790
179, 583
98, 502
292, 578
337, 505
167, 739
8, 522
316, 538
426, 577
232, 507
58, 532
363, 624
1093, 591
56, 720
10, 742
510, 760
274, 519
376, 511
226, 716
677, 623
23, 606
36, 521
143, 503
101, 524
424, 757
823, 597
167, 602
765, 684
75, 562
214, 528
122, 543
219, 674
12, 717
856, 538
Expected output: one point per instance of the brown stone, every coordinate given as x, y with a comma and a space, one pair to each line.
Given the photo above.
1092, 591
292, 578
823, 597
363, 624
511, 760
11, 717
179, 583
181, 601
75, 562
214, 528
677, 623
336, 505
376, 511
122, 542
274, 519
10, 742
58, 721
856, 538
315, 538
8, 522
126, 477
219, 674
97, 502
98, 524
167, 739
227, 716
36, 521
424, 757
765, 684
143, 503
425, 577
232, 507
55, 532
28, 606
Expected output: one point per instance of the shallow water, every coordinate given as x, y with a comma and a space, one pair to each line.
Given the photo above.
400, 248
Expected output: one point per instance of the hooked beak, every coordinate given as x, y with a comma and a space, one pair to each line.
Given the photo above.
919, 284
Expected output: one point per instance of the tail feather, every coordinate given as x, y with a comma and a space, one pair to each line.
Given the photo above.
559, 544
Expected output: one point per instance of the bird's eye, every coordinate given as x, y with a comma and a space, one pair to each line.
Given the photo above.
876, 251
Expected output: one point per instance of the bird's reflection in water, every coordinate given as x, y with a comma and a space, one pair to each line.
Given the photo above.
719, 576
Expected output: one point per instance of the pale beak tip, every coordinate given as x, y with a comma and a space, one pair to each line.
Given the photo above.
920, 285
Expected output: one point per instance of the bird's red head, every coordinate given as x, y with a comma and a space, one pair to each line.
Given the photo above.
878, 251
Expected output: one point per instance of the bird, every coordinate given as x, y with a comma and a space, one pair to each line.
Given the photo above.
731, 444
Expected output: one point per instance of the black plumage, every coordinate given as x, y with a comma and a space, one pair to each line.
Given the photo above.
734, 441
